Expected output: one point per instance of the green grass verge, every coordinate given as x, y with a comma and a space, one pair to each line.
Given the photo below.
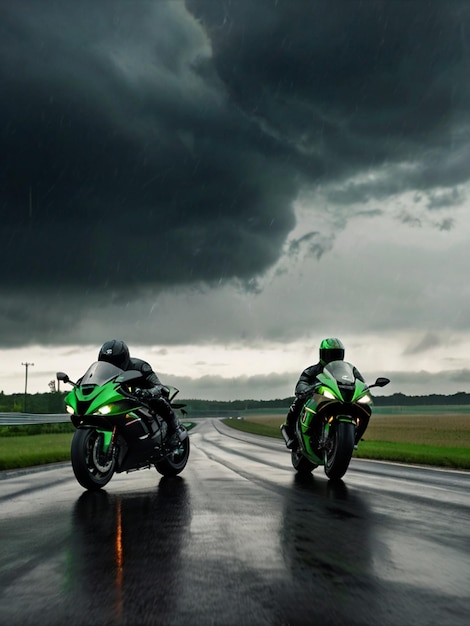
19, 448
456, 457
255, 428
440, 456
25, 451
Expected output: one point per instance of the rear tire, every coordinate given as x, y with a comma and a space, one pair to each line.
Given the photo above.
339, 449
301, 464
175, 462
92, 470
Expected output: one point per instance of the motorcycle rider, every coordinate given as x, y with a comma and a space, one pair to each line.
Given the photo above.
151, 389
331, 349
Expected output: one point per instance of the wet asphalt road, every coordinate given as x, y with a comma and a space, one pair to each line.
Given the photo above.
237, 539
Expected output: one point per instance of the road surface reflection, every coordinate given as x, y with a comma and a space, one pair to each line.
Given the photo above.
125, 556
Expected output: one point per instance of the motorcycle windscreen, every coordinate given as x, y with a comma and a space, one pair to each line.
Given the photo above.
99, 373
342, 371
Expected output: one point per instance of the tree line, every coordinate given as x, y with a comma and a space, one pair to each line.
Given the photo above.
53, 402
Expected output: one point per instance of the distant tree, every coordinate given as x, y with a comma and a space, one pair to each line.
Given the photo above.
53, 402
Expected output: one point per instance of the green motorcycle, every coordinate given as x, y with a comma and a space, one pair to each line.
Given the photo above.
332, 421
117, 431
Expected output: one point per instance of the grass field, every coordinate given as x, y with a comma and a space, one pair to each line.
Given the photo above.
427, 437
26, 451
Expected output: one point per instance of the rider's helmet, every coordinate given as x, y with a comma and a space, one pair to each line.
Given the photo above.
115, 352
331, 349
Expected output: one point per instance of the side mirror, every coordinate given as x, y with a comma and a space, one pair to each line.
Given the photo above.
381, 382
62, 377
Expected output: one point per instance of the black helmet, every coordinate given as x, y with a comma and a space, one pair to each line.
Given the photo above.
331, 349
115, 352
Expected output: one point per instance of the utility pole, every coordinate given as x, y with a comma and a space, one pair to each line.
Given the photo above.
26, 384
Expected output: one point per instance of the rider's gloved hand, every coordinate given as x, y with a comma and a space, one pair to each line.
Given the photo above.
143, 394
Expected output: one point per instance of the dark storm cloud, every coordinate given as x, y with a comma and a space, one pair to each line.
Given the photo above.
351, 86
313, 243
124, 162
158, 143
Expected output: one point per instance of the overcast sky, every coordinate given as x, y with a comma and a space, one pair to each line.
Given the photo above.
223, 184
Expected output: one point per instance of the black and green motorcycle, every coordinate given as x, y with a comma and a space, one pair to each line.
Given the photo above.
117, 431
332, 420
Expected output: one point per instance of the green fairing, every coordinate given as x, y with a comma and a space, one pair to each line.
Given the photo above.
332, 385
305, 424
71, 401
361, 389
103, 395
108, 394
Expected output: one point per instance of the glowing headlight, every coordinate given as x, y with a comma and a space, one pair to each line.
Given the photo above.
69, 409
364, 399
104, 410
328, 395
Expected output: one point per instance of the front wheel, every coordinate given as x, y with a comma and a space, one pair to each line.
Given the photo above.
339, 448
175, 462
91, 465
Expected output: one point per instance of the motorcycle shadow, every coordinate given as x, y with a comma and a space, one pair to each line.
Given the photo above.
333, 489
126, 550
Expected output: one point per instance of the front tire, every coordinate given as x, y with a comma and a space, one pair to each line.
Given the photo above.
90, 466
339, 449
175, 462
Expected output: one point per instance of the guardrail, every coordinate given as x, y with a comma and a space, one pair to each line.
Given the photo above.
21, 419
17, 419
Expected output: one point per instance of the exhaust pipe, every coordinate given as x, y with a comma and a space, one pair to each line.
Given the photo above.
289, 442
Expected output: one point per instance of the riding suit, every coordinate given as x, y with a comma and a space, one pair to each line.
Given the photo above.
155, 392
150, 387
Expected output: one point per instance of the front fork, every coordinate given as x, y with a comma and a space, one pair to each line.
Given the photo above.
325, 440
108, 437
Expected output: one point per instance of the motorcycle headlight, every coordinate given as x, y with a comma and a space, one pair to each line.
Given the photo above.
104, 410
69, 409
365, 399
328, 394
